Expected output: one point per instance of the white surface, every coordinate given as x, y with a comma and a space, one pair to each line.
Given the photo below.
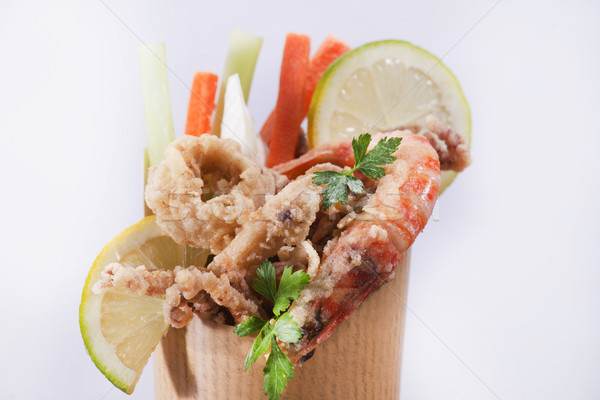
504, 284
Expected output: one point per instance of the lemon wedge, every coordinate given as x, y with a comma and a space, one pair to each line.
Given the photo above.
385, 85
120, 329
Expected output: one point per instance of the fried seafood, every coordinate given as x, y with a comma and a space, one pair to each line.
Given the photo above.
348, 250
177, 190
304, 254
187, 291
192, 282
452, 149
139, 280
283, 221
373, 238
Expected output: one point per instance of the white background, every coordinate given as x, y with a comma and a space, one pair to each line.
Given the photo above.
504, 289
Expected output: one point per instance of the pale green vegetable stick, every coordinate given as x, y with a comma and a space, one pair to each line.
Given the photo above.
241, 60
147, 210
157, 103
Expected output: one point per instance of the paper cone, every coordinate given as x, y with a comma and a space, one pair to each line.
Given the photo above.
361, 359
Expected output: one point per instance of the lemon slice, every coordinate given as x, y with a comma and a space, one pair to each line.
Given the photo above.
120, 329
384, 85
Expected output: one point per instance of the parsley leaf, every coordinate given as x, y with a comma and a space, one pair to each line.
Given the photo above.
336, 187
278, 370
360, 147
266, 283
338, 183
260, 345
287, 330
249, 326
380, 155
324, 177
355, 184
289, 289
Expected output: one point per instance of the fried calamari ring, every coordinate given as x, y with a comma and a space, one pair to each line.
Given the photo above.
177, 190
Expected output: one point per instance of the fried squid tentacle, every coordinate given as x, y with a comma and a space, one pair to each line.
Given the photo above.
186, 291
140, 280
451, 147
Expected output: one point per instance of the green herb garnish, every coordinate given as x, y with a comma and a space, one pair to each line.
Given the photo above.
278, 369
369, 164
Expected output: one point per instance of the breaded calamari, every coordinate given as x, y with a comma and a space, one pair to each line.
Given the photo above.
196, 168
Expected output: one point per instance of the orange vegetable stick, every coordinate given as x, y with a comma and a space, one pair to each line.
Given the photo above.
288, 111
329, 51
202, 103
267, 129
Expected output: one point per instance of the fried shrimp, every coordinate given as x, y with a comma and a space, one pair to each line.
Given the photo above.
178, 191
452, 149
373, 237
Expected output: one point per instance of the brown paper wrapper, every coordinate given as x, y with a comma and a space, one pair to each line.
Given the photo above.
361, 359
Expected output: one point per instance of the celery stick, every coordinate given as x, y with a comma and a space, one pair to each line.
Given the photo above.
241, 60
157, 104
147, 210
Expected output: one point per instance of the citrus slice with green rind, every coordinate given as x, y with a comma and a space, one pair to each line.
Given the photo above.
120, 329
382, 86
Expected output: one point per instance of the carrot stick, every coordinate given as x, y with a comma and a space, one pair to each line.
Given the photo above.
202, 103
267, 129
288, 111
330, 50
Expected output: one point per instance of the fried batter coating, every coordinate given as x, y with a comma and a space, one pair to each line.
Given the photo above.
284, 220
205, 308
192, 282
177, 185
177, 312
451, 147
303, 254
186, 291
140, 280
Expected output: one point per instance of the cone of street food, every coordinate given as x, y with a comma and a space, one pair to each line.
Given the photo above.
280, 274
341, 252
